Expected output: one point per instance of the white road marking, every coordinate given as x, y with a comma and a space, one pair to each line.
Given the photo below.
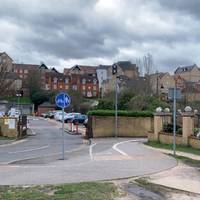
91, 146
120, 151
27, 150
36, 157
13, 143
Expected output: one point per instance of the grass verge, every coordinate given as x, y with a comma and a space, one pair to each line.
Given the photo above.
7, 138
187, 161
182, 148
88, 191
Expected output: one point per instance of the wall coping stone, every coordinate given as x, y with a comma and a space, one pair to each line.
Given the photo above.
187, 114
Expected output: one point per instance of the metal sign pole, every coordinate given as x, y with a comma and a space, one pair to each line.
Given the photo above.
116, 107
174, 122
63, 101
63, 138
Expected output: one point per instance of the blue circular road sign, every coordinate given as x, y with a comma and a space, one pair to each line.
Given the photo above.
63, 100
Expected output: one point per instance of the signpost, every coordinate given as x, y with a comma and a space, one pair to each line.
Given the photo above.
174, 94
63, 100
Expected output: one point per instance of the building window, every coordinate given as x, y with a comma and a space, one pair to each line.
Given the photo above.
74, 87
47, 86
84, 81
66, 87
94, 93
83, 87
21, 71
54, 87
66, 80
55, 80
94, 87
25, 71
95, 81
21, 76
61, 87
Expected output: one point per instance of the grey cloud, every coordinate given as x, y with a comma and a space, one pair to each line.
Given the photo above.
190, 7
75, 30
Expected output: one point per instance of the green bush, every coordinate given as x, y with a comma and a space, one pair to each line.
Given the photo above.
168, 128
120, 113
150, 103
106, 104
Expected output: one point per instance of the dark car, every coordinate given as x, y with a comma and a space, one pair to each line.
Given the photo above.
51, 114
79, 119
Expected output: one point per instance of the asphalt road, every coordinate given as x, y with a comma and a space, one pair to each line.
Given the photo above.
46, 139
104, 159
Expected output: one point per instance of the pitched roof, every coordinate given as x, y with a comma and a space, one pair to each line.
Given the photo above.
126, 64
43, 66
103, 66
1, 53
183, 69
47, 104
87, 69
25, 66
54, 70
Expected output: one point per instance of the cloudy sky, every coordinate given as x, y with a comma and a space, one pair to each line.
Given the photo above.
63, 33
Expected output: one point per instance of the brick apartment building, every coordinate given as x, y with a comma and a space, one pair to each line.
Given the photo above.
84, 79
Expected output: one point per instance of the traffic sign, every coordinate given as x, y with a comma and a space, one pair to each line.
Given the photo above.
63, 100
171, 94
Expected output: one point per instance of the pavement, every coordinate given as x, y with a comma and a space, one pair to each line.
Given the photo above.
182, 177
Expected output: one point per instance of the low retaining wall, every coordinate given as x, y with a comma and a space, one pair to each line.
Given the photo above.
104, 126
194, 142
167, 138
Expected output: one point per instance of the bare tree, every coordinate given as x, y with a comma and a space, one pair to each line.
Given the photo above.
148, 64
6, 81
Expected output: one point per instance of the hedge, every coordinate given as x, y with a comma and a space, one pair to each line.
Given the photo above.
120, 113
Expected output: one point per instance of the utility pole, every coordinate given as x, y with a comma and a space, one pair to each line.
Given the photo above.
174, 121
116, 108
114, 72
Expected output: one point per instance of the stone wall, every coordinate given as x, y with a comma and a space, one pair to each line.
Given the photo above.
186, 138
168, 138
127, 126
194, 142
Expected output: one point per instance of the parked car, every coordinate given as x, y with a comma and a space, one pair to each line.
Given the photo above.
58, 115
51, 114
44, 114
14, 113
78, 118
69, 117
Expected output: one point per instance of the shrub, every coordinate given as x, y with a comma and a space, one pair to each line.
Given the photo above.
120, 113
146, 103
168, 128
